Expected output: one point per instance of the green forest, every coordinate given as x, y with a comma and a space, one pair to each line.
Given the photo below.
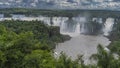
30, 44
64, 13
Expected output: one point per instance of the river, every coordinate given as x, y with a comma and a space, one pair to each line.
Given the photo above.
82, 45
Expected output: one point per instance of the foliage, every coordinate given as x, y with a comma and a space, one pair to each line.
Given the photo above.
46, 34
105, 59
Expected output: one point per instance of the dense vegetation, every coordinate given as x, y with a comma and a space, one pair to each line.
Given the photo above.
66, 13
46, 34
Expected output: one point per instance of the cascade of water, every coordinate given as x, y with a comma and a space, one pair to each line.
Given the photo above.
56, 21
99, 20
108, 26
77, 30
70, 27
79, 25
82, 28
62, 27
82, 21
72, 34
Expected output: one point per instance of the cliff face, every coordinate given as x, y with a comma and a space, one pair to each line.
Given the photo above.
61, 4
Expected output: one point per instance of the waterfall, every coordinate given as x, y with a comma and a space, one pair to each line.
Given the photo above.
81, 21
82, 28
70, 27
57, 21
64, 31
108, 26
77, 30
99, 20
78, 25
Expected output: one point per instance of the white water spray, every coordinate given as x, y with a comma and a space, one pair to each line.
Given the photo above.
65, 30
108, 26
79, 27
